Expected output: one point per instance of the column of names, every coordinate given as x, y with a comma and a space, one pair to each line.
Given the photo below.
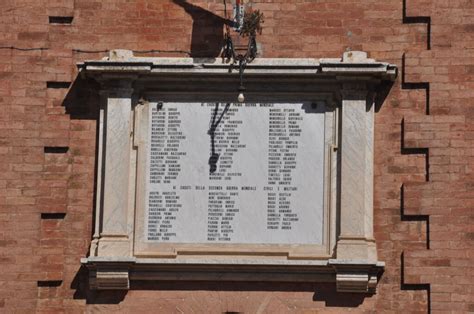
235, 173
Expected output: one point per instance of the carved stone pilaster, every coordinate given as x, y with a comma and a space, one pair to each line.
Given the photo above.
113, 238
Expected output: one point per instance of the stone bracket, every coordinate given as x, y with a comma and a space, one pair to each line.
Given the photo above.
108, 276
356, 278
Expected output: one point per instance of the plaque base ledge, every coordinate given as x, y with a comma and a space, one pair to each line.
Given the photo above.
355, 276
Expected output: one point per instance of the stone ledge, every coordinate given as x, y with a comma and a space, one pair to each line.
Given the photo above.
357, 276
112, 273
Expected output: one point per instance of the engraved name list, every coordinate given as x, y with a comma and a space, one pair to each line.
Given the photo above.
235, 173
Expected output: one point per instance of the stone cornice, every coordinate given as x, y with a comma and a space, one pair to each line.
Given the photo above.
352, 64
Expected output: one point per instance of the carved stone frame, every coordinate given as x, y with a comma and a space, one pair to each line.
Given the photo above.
128, 84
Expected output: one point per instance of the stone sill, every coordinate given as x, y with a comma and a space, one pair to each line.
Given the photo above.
234, 262
115, 273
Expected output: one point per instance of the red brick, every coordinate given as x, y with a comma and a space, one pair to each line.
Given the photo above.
33, 117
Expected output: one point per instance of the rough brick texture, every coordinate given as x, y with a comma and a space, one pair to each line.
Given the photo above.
424, 230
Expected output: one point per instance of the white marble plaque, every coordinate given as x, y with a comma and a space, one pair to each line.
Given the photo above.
235, 173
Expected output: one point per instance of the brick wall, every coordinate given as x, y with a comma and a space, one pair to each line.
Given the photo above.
424, 158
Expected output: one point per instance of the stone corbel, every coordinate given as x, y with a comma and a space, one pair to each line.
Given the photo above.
356, 239
356, 278
109, 276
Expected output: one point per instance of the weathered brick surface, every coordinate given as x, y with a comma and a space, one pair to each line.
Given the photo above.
33, 116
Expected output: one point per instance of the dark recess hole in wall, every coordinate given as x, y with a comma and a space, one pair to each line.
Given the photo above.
49, 283
56, 149
53, 215
416, 85
414, 286
415, 151
52, 84
60, 19
418, 20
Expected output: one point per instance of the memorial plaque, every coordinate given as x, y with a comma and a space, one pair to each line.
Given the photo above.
235, 192
235, 173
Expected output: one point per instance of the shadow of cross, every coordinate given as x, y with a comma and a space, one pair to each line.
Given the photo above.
208, 30
214, 158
